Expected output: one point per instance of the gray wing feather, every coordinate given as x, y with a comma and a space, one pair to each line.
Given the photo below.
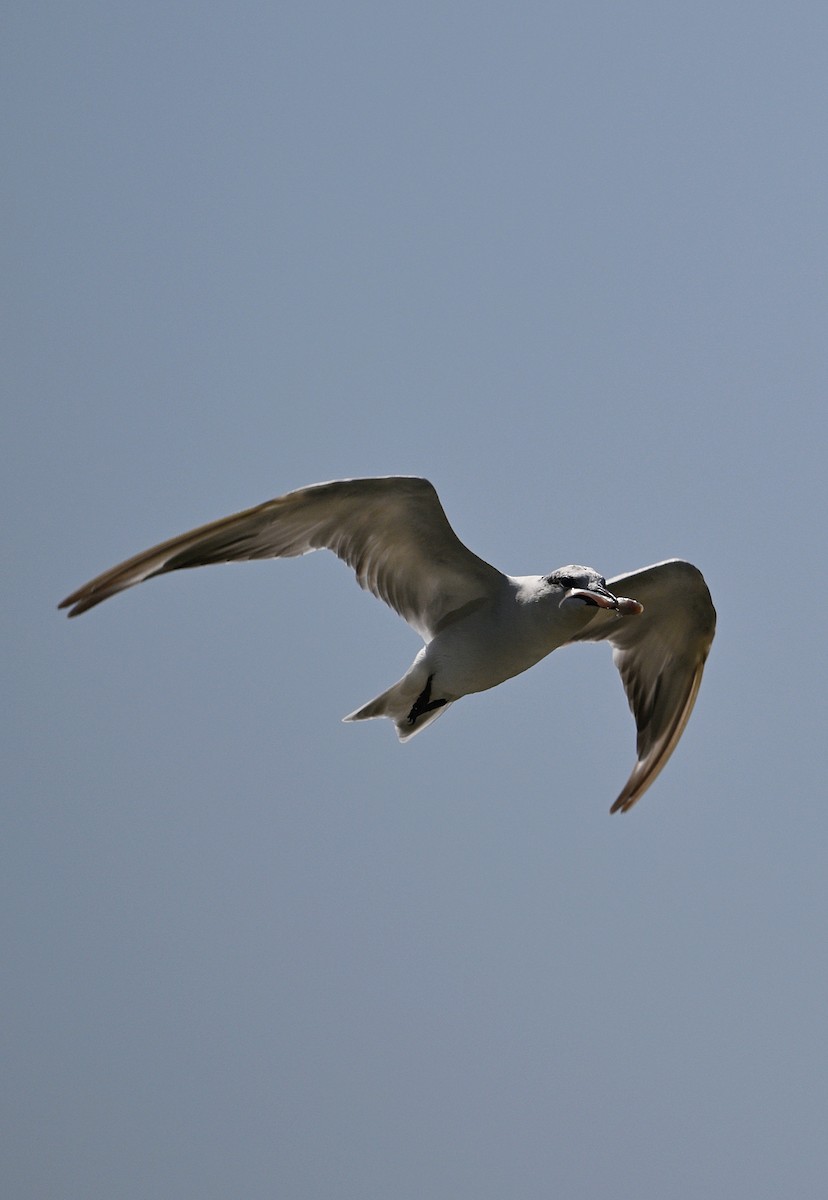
392, 531
660, 656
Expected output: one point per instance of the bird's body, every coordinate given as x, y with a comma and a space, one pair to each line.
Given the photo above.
502, 636
480, 626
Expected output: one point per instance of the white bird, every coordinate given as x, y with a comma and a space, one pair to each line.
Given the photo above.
480, 627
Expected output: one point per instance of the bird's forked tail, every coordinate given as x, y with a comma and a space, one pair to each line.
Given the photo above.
410, 703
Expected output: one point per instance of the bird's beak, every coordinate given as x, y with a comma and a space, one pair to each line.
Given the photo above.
622, 606
601, 599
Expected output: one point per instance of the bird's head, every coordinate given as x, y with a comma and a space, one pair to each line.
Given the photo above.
581, 586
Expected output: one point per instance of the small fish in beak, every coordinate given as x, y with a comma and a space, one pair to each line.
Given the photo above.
629, 608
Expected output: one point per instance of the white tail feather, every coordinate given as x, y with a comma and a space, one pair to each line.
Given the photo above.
398, 701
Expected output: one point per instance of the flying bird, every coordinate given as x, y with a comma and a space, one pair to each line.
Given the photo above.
480, 626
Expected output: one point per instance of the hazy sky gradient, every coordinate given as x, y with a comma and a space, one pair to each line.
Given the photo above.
570, 263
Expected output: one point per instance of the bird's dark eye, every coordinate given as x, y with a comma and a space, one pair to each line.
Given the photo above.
565, 581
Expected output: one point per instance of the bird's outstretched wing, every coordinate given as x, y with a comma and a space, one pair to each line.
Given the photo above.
392, 531
661, 656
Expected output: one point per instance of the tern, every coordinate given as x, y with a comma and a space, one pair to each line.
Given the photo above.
480, 626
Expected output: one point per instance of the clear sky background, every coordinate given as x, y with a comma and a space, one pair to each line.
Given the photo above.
570, 262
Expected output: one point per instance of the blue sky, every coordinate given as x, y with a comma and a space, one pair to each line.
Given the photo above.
568, 262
